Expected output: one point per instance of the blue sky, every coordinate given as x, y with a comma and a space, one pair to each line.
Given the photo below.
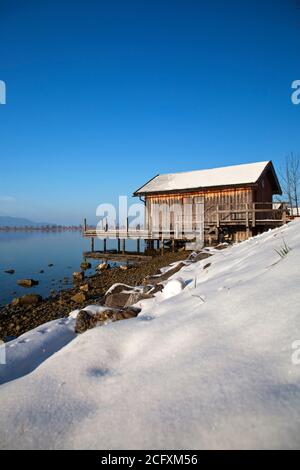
103, 95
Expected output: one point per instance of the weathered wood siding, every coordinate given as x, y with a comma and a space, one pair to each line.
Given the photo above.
264, 189
212, 199
263, 195
166, 211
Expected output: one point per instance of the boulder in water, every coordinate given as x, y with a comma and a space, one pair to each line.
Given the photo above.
27, 282
85, 265
9, 271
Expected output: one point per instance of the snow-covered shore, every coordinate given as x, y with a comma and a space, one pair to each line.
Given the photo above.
210, 367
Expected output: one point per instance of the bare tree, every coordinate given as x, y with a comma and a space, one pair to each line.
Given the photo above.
295, 179
290, 177
285, 176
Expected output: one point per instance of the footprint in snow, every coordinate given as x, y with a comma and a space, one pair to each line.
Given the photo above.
98, 372
64, 322
43, 332
145, 318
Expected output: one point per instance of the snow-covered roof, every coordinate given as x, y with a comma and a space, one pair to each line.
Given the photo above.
226, 176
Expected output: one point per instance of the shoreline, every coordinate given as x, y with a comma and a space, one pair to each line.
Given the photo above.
60, 228
16, 320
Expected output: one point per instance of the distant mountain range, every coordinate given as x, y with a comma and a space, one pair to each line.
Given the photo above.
6, 221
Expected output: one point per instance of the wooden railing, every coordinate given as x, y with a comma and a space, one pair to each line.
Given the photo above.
246, 214
258, 213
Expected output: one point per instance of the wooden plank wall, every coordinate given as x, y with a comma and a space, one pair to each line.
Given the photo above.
237, 198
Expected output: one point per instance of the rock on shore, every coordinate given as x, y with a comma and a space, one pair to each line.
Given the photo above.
86, 319
29, 299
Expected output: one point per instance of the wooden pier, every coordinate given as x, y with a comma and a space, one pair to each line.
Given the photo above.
238, 221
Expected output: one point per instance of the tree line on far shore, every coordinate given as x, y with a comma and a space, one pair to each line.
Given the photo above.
44, 228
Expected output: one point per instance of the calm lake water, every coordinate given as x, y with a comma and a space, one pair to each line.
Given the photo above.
30, 252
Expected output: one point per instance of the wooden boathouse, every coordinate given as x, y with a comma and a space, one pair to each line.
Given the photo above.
237, 200
228, 204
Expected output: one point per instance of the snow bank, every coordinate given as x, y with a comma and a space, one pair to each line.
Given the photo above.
29, 350
210, 367
173, 287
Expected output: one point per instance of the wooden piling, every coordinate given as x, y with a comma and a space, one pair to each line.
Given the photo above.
248, 228
253, 215
218, 216
92, 244
247, 216
284, 216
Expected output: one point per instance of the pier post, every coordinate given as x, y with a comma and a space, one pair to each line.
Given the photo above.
92, 244
104, 245
248, 229
84, 225
138, 245
247, 216
218, 216
123, 246
284, 216
173, 245
118, 245
253, 214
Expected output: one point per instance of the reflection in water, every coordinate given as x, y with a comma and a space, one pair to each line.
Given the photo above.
11, 236
29, 253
